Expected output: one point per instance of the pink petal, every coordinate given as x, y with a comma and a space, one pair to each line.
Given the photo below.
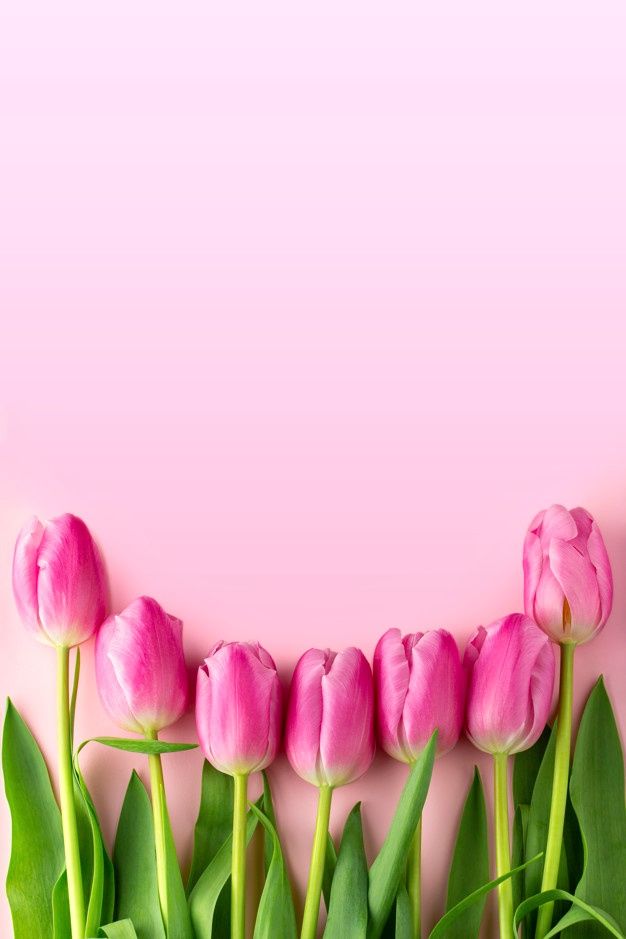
347, 734
304, 715
391, 683
577, 578
600, 559
25, 577
532, 564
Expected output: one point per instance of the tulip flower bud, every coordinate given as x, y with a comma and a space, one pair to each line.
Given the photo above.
140, 667
239, 707
59, 581
510, 670
420, 688
330, 736
568, 584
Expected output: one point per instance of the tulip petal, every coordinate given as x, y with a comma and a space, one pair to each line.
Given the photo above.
532, 564
436, 694
304, 714
391, 681
25, 577
599, 557
577, 578
346, 739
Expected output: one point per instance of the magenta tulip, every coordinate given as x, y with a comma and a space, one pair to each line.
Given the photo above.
510, 668
420, 688
568, 585
329, 735
59, 581
140, 667
239, 707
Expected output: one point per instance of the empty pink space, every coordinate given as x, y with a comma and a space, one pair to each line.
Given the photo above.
307, 309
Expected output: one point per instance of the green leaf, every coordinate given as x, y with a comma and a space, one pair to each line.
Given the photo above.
215, 820
62, 926
404, 917
205, 894
131, 745
134, 862
526, 766
179, 919
37, 856
276, 915
388, 868
347, 914
268, 811
123, 929
330, 863
470, 862
520, 825
597, 794
441, 928
593, 914
98, 879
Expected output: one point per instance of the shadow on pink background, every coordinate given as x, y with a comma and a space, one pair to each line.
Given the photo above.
307, 310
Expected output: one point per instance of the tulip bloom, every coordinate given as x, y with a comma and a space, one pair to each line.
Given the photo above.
239, 716
420, 688
510, 668
568, 584
568, 590
140, 667
329, 741
60, 592
59, 581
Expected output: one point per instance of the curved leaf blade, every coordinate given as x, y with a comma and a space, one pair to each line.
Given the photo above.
594, 914
123, 929
147, 747
470, 862
215, 820
347, 914
276, 915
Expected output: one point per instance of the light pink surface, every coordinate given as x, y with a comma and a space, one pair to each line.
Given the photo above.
307, 310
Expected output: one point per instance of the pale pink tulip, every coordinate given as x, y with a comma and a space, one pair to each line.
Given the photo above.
510, 671
329, 736
568, 584
239, 707
420, 687
140, 667
59, 581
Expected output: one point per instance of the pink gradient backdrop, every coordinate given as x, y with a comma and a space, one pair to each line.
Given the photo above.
307, 309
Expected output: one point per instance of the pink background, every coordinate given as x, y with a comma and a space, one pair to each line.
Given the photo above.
307, 309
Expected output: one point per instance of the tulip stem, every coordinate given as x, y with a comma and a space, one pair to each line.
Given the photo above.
316, 870
238, 878
66, 792
560, 782
160, 817
414, 881
503, 844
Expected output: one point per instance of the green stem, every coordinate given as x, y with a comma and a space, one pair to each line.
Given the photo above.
503, 844
316, 870
238, 878
159, 814
66, 791
414, 881
560, 781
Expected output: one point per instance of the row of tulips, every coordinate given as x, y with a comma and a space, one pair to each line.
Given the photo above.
417, 701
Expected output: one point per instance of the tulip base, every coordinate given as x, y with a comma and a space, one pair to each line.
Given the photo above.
316, 870
238, 877
503, 843
414, 881
66, 793
560, 782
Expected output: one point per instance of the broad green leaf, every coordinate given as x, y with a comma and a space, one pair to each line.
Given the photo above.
62, 926
330, 863
123, 929
347, 915
470, 862
215, 820
276, 915
597, 794
594, 914
441, 928
37, 856
131, 745
268, 811
526, 767
205, 894
387, 870
404, 917
178, 916
520, 825
98, 880
134, 862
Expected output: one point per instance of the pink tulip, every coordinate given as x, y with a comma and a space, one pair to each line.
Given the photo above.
329, 735
239, 707
420, 688
510, 670
140, 667
568, 585
59, 581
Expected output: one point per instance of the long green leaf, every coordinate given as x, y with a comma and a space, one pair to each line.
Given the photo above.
131, 745
330, 864
520, 825
470, 862
268, 810
526, 766
347, 915
597, 794
215, 820
123, 929
404, 916
62, 926
594, 914
178, 916
441, 928
37, 856
98, 878
388, 868
134, 862
276, 915
204, 896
